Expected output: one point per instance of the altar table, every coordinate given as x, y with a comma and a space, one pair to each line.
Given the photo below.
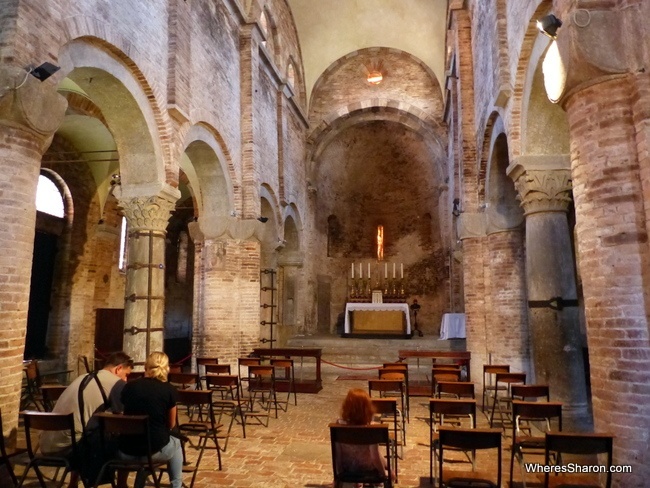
378, 318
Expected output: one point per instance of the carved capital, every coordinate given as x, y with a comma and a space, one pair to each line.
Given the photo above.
544, 190
28, 104
150, 213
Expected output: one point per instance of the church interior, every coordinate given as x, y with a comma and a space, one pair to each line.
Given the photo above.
210, 177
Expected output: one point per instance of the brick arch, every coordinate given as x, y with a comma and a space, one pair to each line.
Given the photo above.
82, 27
83, 105
521, 73
493, 128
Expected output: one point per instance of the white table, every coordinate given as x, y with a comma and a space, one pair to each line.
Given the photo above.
453, 326
403, 307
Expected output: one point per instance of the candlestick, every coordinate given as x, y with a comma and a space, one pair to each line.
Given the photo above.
385, 270
360, 271
368, 270
393, 270
401, 270
352, 270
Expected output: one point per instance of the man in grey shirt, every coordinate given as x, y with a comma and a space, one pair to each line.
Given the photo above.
112, 378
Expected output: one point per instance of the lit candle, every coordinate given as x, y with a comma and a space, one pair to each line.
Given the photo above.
360, 271
385, 270
393, 270
352, 270
401, 270
368, 270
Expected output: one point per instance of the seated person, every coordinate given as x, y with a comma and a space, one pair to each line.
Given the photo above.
357, 409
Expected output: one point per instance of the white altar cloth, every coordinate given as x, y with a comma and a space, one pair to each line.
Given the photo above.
350, 307
453, 326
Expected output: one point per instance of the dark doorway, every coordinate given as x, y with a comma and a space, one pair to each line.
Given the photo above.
109, 331
45, 248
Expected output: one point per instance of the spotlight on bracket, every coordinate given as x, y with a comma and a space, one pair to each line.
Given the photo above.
44, 71
549, 25
264, 220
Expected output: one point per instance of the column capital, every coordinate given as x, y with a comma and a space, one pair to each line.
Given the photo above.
150, 212
542, 189
30, 105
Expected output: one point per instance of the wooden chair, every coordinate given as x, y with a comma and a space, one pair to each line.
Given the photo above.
469, 440
529, 393
287, 380
202, 431
404, 367
387, 413
202, 362
5, 457
230, 403
525, 441
444, 412
242, 369
443, 373
216, 369
501, 403
354, 435
585, 445
47, 421
393, 372
262, 393
455, 389
183, 381
50, 393
489, 372
113, 426
388, 388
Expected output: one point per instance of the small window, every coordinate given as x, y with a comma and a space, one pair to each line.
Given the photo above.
291, 75
48, 197
264, 24
121, 263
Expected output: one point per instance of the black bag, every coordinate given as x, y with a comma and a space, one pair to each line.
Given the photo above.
91, 452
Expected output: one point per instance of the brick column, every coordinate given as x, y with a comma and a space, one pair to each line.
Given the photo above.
227, 288
544, 187
30, 112
144, 301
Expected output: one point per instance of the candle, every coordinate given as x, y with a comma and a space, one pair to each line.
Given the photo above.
360, 271
368, 270
352, 270
393, 270
385, 270
401, 270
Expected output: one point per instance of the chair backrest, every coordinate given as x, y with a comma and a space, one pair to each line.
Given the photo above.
461, 389
47, 421
359, 435
490, 369
246, 363
282, 362
223, 381
51, 394
508, 379
261, 372
469, 440
580, 444
392, 374
184, 380
198, 398
217, 369
541, 411
439, 407
528, 392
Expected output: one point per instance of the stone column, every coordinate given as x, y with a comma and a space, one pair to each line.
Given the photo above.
144, 301
30, 112
544, 187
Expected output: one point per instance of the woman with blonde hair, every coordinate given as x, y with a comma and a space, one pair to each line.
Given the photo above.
152, 395
357, 409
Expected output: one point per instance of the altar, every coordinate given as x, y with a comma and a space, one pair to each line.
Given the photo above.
377, 319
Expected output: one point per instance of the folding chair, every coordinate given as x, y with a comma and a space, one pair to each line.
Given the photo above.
115, 425
230, 403
469, 440
261, 390
216, 369
443, 373
5, 456
201, 362
387, 389
398, 373
184, 381
456, 412
524, 414
344, 439
50, 393
585, 446
245, 363
403, 367
455, 389
489, 371
47, 421
286, 380
31, 393
527, 393
388, 413
201, 430
501, 403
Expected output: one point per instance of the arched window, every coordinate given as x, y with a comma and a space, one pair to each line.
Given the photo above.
264, 24
291, 75
48, 197
121, 263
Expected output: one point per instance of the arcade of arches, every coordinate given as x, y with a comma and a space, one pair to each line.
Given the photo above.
195, 143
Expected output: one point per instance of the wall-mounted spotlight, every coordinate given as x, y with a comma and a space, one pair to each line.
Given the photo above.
263, 219
549, 25
44, 71
456, 210
116, 179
